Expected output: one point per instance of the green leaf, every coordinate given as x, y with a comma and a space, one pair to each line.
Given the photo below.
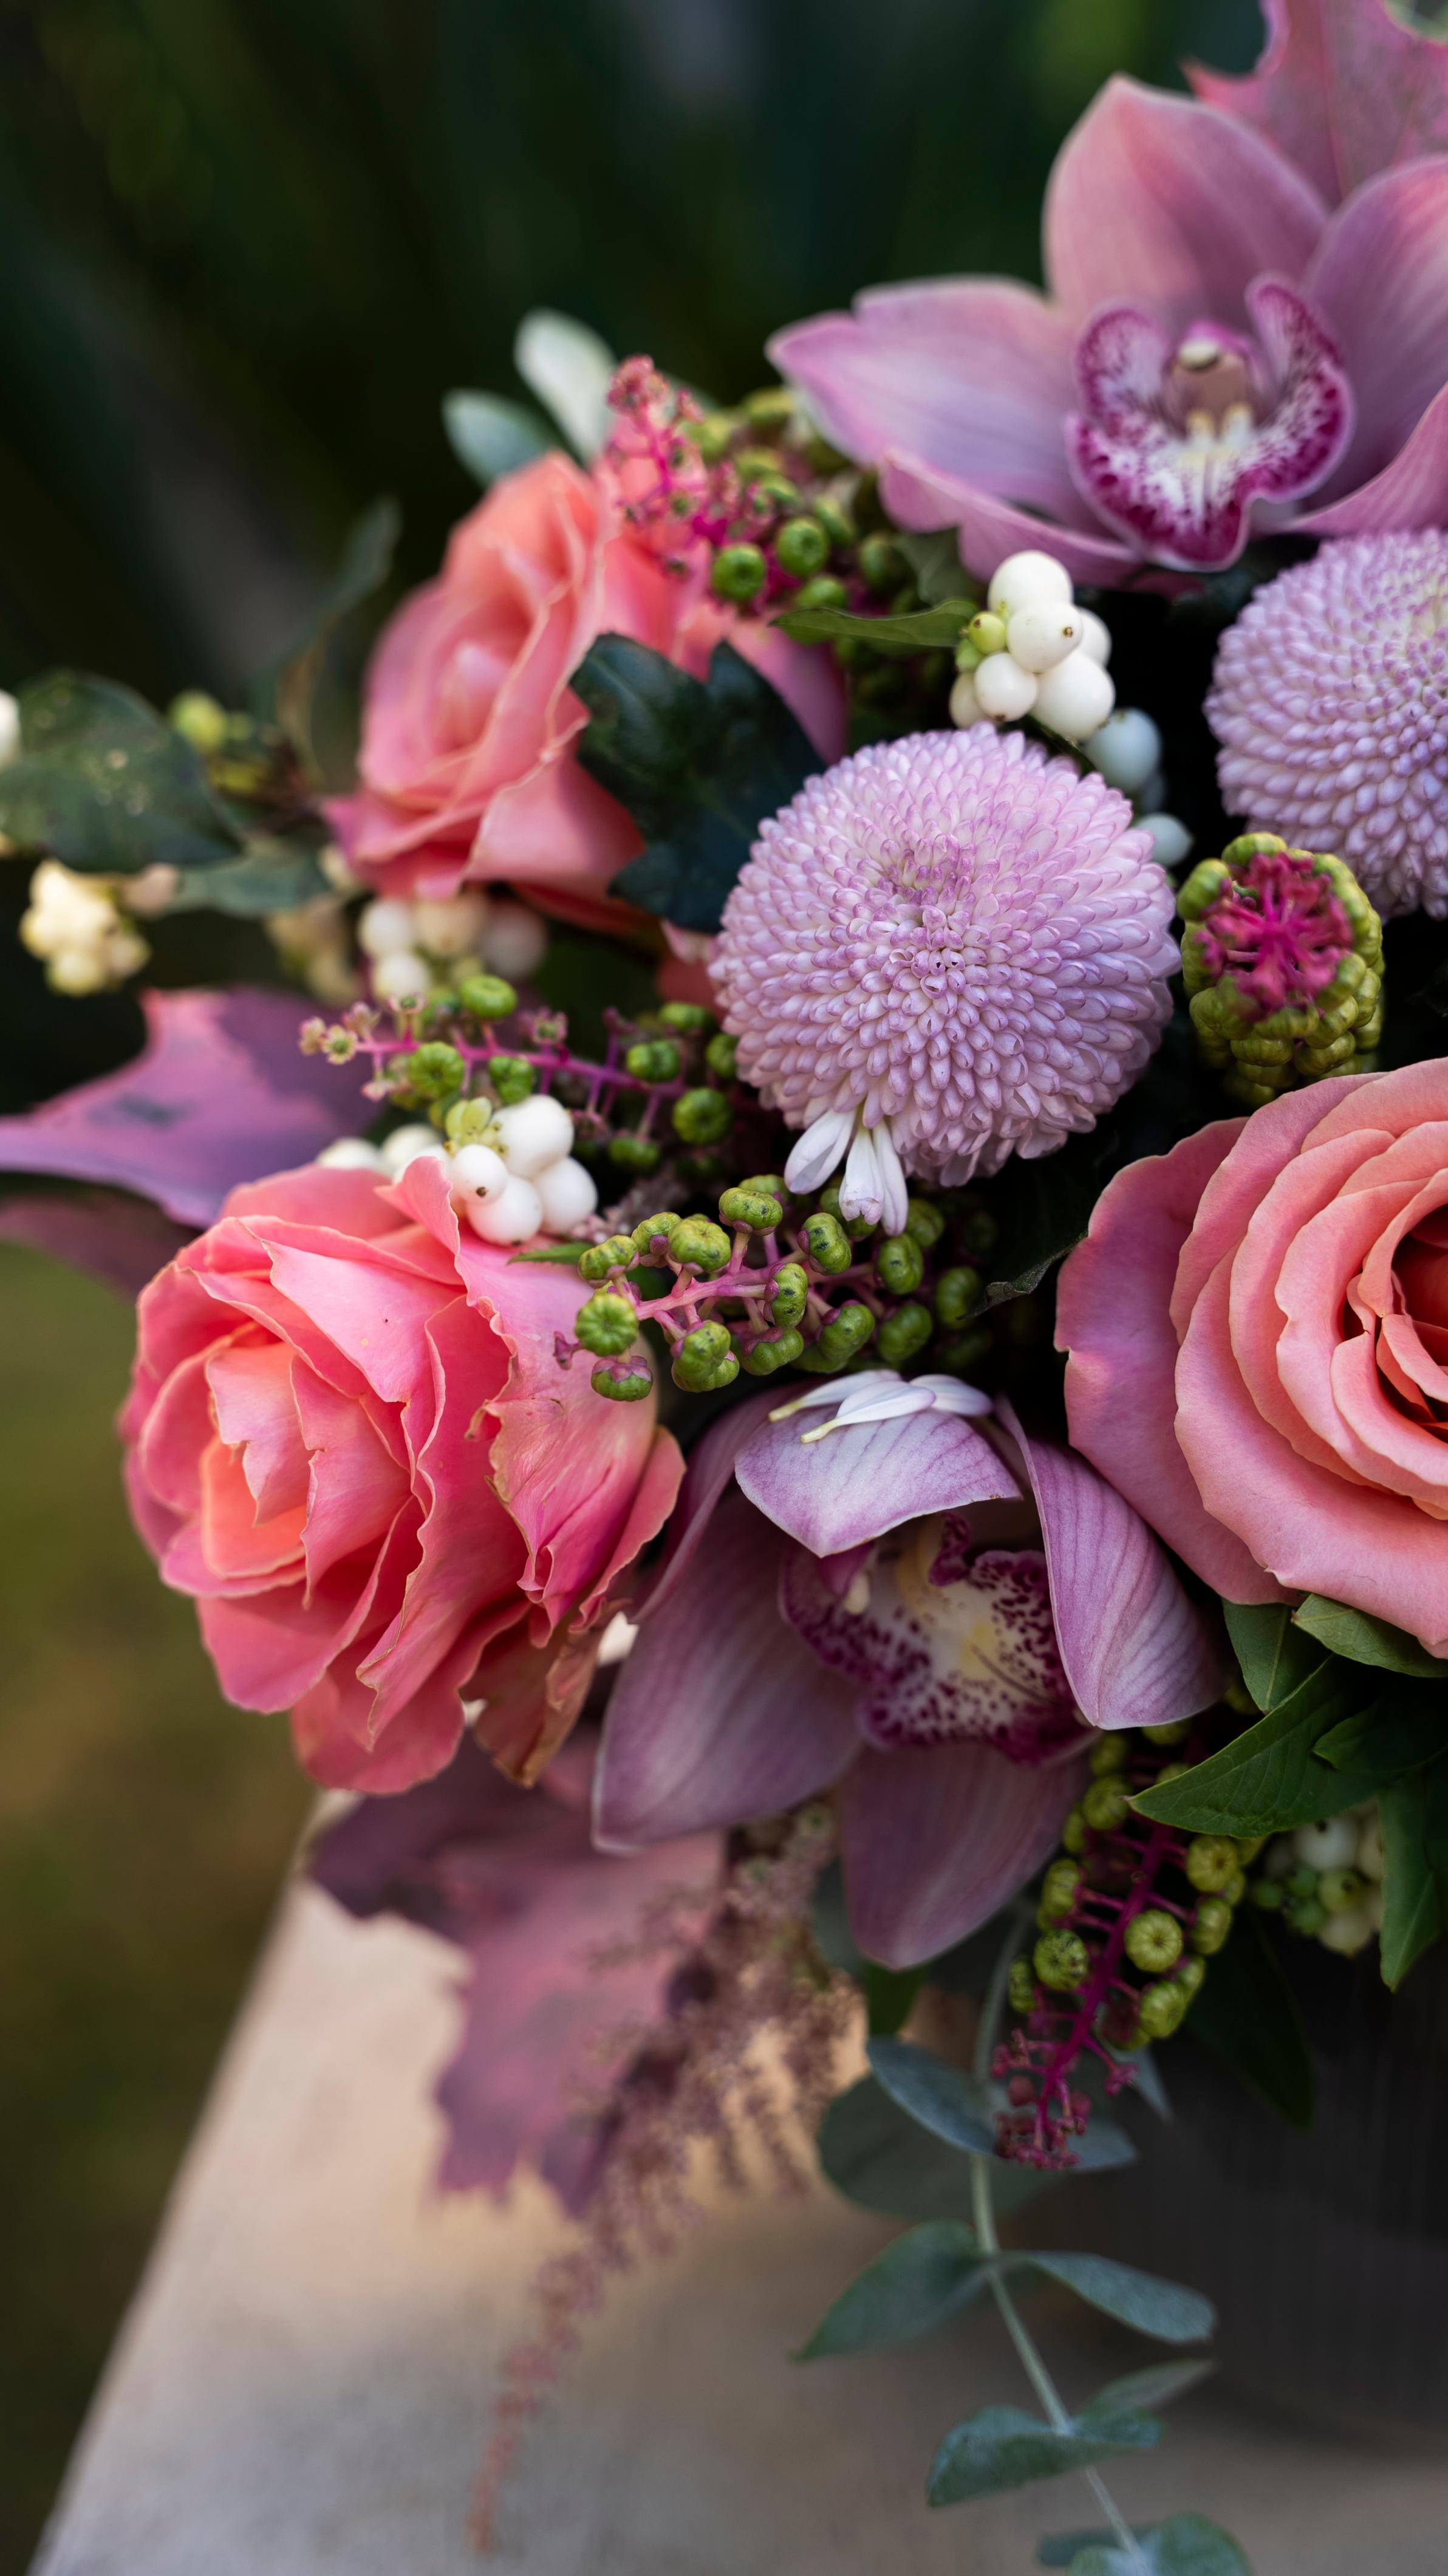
106, 785
566, 1255
879, 2158
1413, 1883
270, 876
1377, 1744
284, 694
919, 632
950, 2104
1246, 2014
914, 2286
1364, 1640
698, 763
490, 436
933, 555
1157, 2385
1165, 2309
1003, 2447
1188, 2545
1268, 1778
1274, 1657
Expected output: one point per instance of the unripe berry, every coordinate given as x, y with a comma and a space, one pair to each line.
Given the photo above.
608, 1324
1161, 2010
598, 1259
847, 1331
826, 1242
1210, 1926
823, 592
1058, 1889
903, 1334
702, 1117
722, 1054
511, 1078
1073, 1832
1062, 1961
790, 1294
705, 1359
958, 1294
623, 1385
1105, 1806
1154, 1940
924, 1221
776, 1351
634, 1153
653, 1060
899, 1264
739, 573
745, 1206
1107, 1754
487, 997
1021, 1986
698, 1243
801, 547
1210, 1860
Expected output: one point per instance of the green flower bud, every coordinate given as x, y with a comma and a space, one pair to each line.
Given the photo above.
200, 719
468, 1122
511, 1078
924, 1221
826, 1242
801, 547
1210, 1860
776, 1351
1073, 1832
608, 1324
435, 1070
1062, 1961
958, 1294
689, 1018
987, 632
790, 1294
487, 997
745, 1206
1105, 1806
1161, 2010
722, 1054
856, 1227
823, 592
698, 1243
653, 1060
649, 1230
625, 1385
705, 1360
847, 1331
740, 573
1153, 1940
634, 1153
1021, 1986
882, 565
1107, 1754
1337, 1889
770, 408
899, 1264
1189, 1974
1210, 1926
1058, 1890
702, 1117
904, 1333
1176, 1733
616, 1253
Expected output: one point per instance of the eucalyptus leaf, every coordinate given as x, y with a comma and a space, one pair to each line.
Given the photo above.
570, 369
881, 2159
915, 2285
952, 2105
920, 631
1157, 2385
1167, 2310
1274, 1655
106, 785
698, 763
1246, 2014
1364, 1640
1004, 2447
1188, 2545
889, 1996
491, 436
1268, 1778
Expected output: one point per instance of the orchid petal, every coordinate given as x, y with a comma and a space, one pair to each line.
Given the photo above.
719, 1715
1343, 87
935, 1840
814, 1156
1412, 492
1380, 280
919, 496
833, 1494
710, 1474
1136, 1651
1172, 205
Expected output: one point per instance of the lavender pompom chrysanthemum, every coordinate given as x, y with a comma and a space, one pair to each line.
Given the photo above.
948, 949
1330, 701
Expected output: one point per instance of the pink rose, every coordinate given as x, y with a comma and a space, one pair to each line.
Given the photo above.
348, 1438
466, 766
1258, 1336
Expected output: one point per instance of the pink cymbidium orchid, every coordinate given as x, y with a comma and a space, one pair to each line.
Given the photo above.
1225, 348
894, 1592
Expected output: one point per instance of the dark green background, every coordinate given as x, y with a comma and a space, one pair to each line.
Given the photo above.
245, 247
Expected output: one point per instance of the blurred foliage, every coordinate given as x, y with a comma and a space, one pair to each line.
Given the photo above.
247, 245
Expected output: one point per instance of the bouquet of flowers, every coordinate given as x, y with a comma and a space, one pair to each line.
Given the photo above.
818, 1370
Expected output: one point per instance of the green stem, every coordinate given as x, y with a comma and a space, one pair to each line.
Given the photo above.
983, 2205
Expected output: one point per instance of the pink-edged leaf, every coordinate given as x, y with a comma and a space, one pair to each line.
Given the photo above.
867, 1477
934, 1841
1136, 1650
511, 1876
220, 1094
120, 1240
1342, 87
719, 1715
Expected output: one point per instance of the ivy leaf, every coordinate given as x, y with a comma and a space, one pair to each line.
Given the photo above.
1188, 2545
950, 2104
284, 694
881, 2159
1414, 1815
1246, 2014
1003, 2447
917, 632
698, 763
1165, 2309
1275, 1657
1268, 1778
106, 785
915, 2285
1364, 1640
490, 436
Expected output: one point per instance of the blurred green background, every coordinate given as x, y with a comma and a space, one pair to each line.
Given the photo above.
245, 248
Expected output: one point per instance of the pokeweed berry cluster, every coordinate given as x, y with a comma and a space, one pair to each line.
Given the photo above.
1130, 1913
763, 1291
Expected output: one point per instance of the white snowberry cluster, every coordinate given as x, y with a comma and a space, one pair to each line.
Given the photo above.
511, 1171
1328, 1878
413, 945
1033, 652
78, 927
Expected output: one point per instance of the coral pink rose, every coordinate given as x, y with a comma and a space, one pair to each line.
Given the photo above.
466, 766
1258, 1336
348, 1438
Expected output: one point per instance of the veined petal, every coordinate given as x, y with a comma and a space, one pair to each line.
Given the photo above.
832, 1494
934, 1841
919, 496
1380, 281
1344, 90
1412, 492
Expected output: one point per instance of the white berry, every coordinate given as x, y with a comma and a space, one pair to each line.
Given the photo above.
567, 1194
384, 929
453, 927
1028, 576
1348, 1931
478, 1172
1042, 633
351, 1154
534, 1132
1003, 689
405, 1144
1369, 1854
401, 976
1127, 749
1075, 698
1170, 840
965, 706
1330, 1845
514, 1216
516, 940
1095, 636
